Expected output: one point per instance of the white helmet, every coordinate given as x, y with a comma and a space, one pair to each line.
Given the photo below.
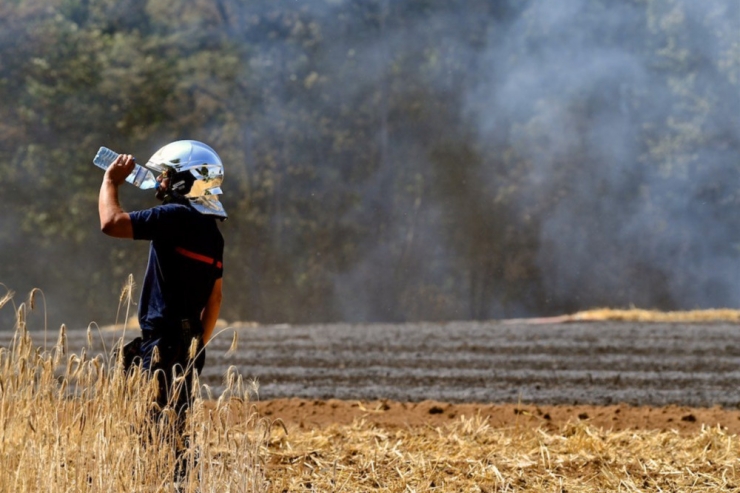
200, 171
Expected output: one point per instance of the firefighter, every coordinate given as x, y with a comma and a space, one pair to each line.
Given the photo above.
181, 291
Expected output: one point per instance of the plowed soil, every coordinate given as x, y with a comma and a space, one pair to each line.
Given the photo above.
615, 375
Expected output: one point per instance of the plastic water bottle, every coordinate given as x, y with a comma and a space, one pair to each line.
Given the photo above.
140, 176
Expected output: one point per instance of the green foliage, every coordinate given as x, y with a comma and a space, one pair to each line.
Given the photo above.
359, 183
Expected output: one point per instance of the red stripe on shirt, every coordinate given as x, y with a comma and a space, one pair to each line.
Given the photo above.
198, 257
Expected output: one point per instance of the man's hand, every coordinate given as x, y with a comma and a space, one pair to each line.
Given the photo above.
120, 169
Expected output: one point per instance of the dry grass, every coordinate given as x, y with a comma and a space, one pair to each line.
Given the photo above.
69, 422
639, 315
469, 456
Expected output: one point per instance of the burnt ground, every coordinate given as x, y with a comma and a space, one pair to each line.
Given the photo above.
575, 363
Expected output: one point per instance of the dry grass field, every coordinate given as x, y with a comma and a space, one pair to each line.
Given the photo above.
71, 422
74, 422
641, 315
470, 456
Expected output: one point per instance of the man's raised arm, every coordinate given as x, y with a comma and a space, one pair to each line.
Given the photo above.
114, 221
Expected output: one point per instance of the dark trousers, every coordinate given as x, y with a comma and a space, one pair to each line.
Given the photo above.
172, 362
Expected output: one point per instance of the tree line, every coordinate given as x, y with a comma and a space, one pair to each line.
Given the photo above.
385, 161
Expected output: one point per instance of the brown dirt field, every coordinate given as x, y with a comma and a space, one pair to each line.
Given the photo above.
614, 375
306, 414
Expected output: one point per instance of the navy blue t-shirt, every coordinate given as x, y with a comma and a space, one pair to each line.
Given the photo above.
185, 260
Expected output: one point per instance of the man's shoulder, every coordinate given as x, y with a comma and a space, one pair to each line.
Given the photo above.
165, 210
175, 208
183, 210
160, 221
174, 214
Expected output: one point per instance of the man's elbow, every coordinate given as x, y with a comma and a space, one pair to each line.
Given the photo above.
116, 226
106, 227
109, 227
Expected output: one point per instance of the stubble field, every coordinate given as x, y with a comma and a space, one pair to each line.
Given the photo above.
494, 406
417, 407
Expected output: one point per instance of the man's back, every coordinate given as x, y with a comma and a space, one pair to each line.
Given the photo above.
185, 260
